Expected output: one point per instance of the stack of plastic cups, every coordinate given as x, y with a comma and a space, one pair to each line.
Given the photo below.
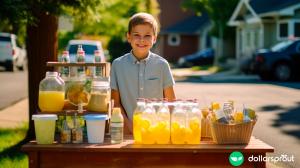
44, 128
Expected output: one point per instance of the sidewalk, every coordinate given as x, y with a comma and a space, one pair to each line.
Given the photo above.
207, 76
15, 115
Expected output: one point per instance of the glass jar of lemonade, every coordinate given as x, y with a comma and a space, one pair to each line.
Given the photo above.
100, 97
51, 93
138, 121
148, 124
162, 127
178, 123
193, 125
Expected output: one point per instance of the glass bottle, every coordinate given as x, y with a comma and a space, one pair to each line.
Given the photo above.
80, 58
162, 128
100, 96
137, 120
51, 93
246, 117
77, 132
65, 71
98, 69
219, 114
148, 124
116, 126
65, 133
178, 123
193, 127
228, 109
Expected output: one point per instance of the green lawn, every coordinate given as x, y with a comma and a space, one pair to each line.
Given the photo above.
10, 154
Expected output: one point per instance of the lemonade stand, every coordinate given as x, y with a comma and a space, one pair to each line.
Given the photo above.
165, 134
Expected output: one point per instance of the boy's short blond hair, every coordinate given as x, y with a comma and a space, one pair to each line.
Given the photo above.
143, 18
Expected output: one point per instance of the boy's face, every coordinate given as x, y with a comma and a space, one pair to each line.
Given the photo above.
141, 40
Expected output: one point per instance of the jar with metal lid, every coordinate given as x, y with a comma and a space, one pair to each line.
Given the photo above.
51, 93
100, 97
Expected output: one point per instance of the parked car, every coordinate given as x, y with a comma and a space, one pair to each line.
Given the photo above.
281, 62
89, 46
203, 57
11, 56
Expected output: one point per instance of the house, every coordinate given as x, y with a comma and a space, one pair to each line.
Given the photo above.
263, 23
181, 32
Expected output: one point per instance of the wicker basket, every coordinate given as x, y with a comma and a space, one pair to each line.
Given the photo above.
232, 133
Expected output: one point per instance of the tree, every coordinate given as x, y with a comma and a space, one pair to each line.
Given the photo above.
41, 18
113, 22
219, 11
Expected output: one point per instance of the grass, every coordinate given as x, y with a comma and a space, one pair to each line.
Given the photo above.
10, 154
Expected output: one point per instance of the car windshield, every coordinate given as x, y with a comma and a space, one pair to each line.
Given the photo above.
89, 49
281, 46
7, 39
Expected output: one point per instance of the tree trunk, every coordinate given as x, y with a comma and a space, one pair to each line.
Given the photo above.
41, 47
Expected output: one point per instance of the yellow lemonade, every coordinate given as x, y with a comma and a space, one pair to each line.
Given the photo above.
161, 132
147, 132
193, 132
137, 120
178, 133
51, 101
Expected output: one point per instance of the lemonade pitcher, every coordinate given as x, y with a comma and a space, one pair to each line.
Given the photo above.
51, 93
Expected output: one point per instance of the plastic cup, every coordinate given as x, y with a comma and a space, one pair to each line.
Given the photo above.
95, 124
44, 127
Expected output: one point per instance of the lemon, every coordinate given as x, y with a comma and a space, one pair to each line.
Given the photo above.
215, 106
251, 113
145, 124
238, 117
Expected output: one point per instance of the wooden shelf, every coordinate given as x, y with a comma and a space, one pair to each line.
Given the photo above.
58, 64
72, 112
104, 65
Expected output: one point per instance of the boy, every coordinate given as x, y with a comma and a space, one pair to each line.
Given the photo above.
140, 73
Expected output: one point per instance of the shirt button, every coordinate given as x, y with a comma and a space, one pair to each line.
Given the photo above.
142, 88
141, 74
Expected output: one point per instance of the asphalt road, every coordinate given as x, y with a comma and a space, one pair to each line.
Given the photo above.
277, 106
13, 87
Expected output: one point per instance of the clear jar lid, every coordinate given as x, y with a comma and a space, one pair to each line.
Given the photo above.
100, 84
51, 74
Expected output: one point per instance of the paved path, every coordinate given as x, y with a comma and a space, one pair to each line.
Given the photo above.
14, 115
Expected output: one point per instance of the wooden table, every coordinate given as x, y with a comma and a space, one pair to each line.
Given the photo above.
128, 154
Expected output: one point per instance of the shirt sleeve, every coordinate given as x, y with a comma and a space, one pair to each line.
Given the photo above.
168, 79
113, 77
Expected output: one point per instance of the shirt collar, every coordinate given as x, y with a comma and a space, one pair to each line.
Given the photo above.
136, 61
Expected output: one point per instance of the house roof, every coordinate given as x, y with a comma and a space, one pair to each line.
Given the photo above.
263, 6
190, 25
258, 9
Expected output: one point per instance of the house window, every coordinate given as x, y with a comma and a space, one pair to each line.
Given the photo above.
174, 39
283, 30
297, 29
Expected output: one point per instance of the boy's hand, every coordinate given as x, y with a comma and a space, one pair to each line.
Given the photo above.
127, 127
